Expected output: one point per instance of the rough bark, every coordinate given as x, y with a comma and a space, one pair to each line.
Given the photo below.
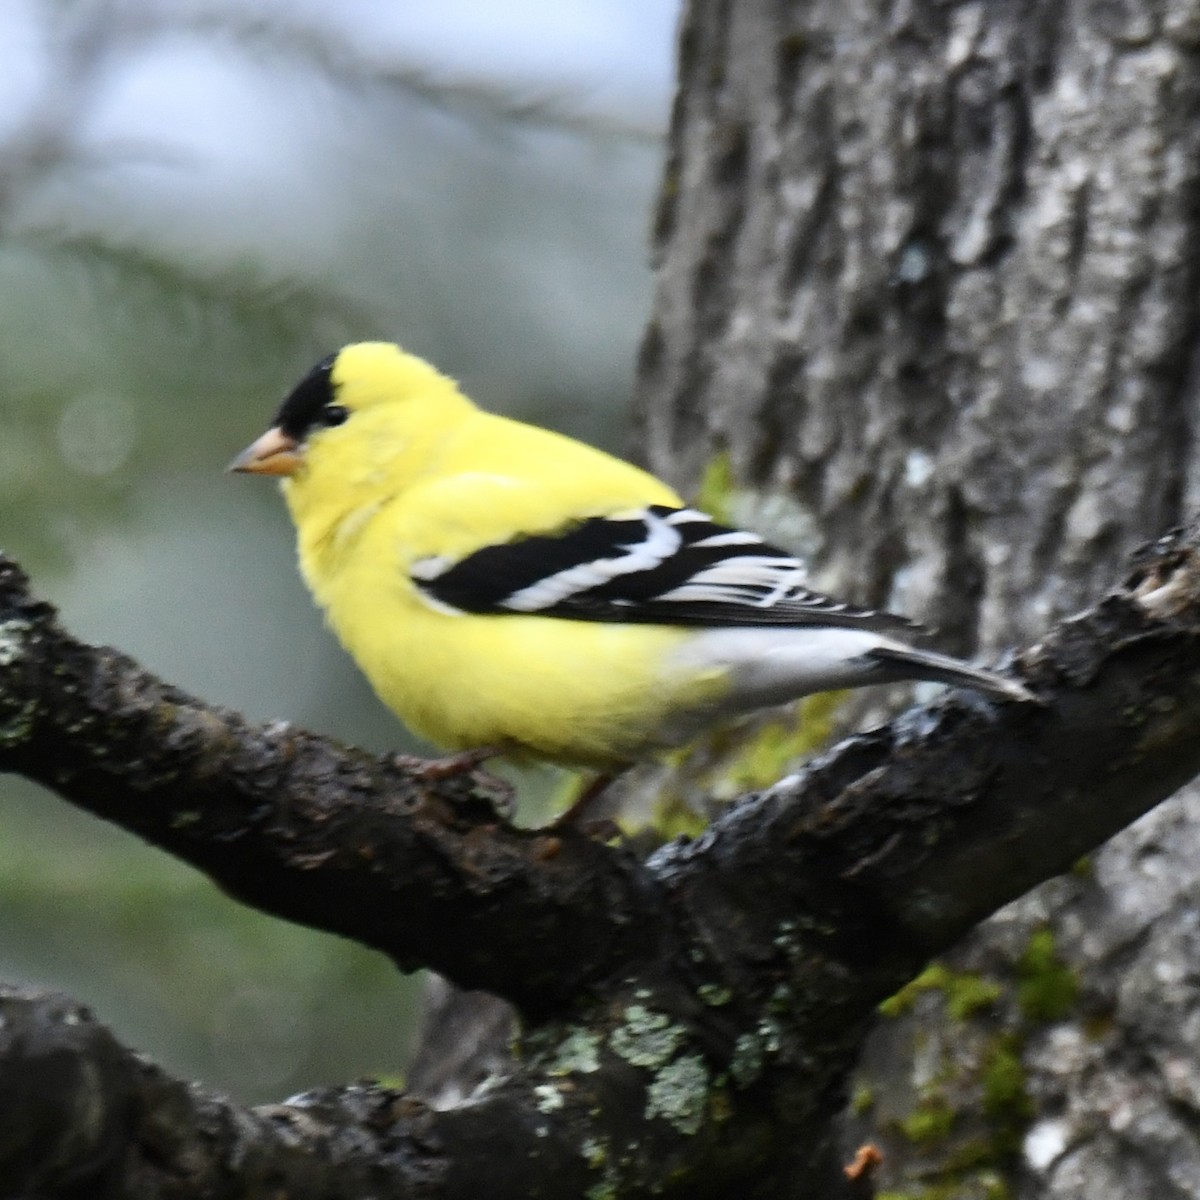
928, 271
694, 1036
711, 1018
302, 828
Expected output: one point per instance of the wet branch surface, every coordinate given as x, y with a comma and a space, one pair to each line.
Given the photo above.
689, 1021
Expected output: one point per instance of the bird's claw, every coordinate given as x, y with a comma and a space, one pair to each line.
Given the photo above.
499, 792
433, 770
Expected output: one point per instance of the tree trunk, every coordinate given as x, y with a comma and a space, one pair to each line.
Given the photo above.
927, 283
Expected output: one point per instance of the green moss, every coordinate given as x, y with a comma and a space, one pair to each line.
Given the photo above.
1046, 987
971, 1155
715, 493
983, 1145
764, 757
974, 1114
966, 992
930, 1121
862, 1100
1004, 1091
932, 979
971, 1117
942, 1190
902, 1001
674, 817
1006, 1099
981, 1185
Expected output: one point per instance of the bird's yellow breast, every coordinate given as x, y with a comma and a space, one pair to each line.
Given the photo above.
582, 693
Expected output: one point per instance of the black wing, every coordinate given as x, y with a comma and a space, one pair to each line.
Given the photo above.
670, 566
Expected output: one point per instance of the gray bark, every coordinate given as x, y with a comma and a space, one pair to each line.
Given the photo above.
928, 272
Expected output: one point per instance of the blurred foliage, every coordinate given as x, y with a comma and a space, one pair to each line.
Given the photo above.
117, 370
161, 287
217, 990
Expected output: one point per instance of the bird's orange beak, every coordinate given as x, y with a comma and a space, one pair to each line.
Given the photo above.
275, 453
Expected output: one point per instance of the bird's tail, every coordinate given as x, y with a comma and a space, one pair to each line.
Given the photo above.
906, 662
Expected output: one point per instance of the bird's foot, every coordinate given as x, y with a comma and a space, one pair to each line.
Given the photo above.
500, 792
432, 770
582, 815
603, 829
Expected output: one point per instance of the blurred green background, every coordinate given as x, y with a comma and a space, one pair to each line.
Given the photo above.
198, 201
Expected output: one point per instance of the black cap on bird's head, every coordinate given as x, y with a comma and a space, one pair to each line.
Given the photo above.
310, 402
309, 405
365, 375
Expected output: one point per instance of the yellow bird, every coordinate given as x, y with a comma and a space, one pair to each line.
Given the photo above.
507, 587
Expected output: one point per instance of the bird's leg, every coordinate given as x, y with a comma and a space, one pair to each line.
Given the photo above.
431, 770
465, 762
582, 813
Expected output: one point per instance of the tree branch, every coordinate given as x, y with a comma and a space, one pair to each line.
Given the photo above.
925, 826
309, 830
684, 1014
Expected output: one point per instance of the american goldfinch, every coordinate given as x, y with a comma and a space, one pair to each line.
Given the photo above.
507, 587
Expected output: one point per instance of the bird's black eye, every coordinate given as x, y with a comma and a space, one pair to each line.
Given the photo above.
334, 414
